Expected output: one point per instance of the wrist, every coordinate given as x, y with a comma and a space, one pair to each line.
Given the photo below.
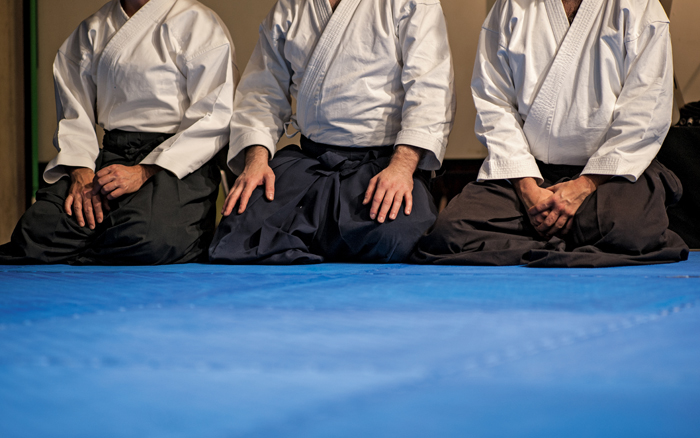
590, 183
77, 172
256, 154
406, 157
524, 185
149, 170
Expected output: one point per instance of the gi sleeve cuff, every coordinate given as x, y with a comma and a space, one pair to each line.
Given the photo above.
510, 169
434, 147
614, 167
236, 151
56, 169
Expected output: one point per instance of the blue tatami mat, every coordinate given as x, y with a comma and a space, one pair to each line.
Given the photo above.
350, 351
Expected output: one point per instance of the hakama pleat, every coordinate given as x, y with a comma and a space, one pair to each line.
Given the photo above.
317, 213
167, 220
622, 223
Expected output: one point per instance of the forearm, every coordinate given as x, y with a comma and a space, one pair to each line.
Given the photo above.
148, 170
256, 154
406, 158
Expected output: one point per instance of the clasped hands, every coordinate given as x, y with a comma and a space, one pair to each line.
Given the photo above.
90, 191
387, 191
551, 211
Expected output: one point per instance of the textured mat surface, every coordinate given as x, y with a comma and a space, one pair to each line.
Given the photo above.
350, 351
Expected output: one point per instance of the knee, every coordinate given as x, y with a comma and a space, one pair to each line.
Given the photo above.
396, 240
440, 238
632, 225
160, 245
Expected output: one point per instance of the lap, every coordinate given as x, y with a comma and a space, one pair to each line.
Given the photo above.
166, 221
317, 215
487, 224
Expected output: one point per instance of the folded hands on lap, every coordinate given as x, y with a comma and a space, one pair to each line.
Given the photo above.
551, 210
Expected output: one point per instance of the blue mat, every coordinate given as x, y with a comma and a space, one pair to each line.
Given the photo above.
350, 351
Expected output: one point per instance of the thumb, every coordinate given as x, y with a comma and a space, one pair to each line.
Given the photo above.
270, 186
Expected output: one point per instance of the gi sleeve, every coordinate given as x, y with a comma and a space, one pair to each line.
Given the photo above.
262, 104
209, 66
75, 137
499, 125
428, 81
643, 112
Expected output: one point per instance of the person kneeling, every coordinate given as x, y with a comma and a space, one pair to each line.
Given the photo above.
159, 77
372, 106
574, 100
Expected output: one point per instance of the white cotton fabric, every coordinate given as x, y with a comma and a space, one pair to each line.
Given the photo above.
372, 73
598, 93
170, 68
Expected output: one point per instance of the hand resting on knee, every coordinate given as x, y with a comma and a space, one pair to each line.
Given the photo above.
393, 185
257, 172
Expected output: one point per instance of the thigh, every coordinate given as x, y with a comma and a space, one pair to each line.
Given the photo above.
626, 217
485, 224
167, 221
46, 233
358, 238
278, 231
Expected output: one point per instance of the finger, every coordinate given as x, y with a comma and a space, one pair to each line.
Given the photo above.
232, 198
109, 188
567, 228
114, 194
541, 207
105, 179
409, 204
370, 191
540, 218
96, 187
270, 186
78, 204
551, 219
558, 225
87, 212
245, 197
97, 207
376, 202
67, 206
105, 171
386, 206
396, 207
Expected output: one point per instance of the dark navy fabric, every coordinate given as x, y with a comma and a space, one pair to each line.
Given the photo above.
168, 220
317, 214
341, 350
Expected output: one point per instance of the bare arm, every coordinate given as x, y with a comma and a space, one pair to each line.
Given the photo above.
257, 172
393, 185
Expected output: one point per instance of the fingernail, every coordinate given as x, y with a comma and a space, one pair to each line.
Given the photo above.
381, 218
393, 216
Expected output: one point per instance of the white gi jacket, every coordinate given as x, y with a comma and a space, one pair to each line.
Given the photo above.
170, 69
598, 93
372, 73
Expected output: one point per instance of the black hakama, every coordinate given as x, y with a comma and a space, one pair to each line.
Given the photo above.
622, 223
167, 220
317, 213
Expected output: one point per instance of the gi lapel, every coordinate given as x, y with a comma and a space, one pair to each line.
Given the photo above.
557, 19
323, 53
539, 119
142, 20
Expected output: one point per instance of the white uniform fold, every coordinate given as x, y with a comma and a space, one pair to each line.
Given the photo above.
598, 93
170, 68
372, 73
